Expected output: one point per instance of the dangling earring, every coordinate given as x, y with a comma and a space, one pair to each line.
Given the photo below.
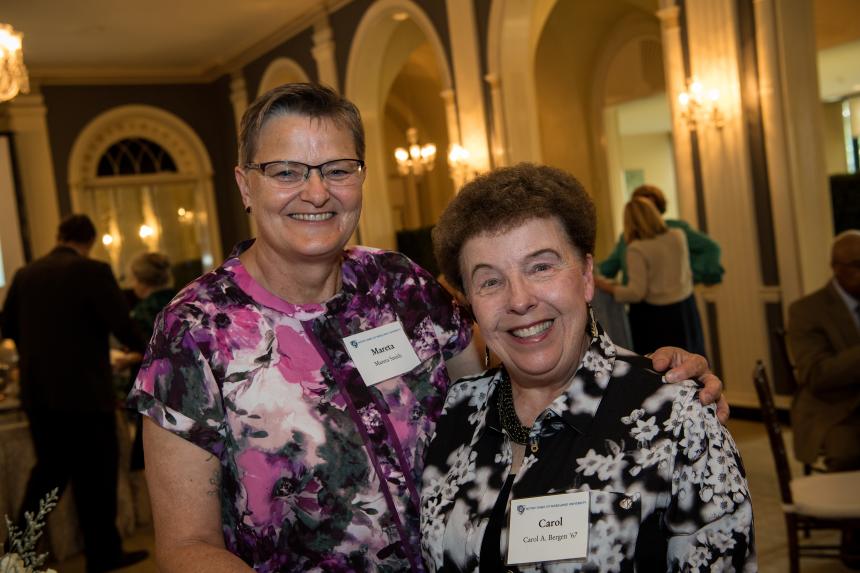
486, 357
592, 324
248, 209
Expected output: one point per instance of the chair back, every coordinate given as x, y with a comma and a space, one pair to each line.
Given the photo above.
785, 381
774, 432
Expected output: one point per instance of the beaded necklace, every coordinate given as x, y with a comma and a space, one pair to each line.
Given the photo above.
508, 414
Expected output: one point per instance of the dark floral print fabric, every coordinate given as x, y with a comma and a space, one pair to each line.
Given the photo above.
666, 484
319, 472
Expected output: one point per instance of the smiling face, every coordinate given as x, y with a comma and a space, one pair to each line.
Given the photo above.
529, 289
313, 220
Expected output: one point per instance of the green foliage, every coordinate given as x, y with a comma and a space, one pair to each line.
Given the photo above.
22, 542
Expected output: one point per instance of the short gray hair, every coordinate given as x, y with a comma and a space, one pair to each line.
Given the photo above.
315, 101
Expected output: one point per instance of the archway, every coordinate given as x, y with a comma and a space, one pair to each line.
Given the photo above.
389, 33
146, 179
281, 71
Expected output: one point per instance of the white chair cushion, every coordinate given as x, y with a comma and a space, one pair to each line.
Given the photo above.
829, 495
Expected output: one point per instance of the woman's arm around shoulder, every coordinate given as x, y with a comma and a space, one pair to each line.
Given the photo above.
184, 488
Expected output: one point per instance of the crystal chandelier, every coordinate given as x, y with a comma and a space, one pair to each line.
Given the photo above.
417, 158
13, 73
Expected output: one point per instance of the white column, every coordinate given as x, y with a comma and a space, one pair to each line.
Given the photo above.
712, 27
467, 78
25, 117
324, 54
673, 64
793, 130
375, 225
451, 119
498, 141
238, 97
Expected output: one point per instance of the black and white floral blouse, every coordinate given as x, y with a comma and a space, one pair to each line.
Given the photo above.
619, 432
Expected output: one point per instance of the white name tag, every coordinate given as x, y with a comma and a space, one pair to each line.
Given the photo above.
548, 528
381, 353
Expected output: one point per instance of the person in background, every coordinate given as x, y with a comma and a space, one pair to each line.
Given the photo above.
704, 251
60, 311
660, 287
567, 415
824, 339
152, 283
290, 394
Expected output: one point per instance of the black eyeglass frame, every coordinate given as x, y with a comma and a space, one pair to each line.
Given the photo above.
261, 167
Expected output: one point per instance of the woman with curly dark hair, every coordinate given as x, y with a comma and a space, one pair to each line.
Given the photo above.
573, 455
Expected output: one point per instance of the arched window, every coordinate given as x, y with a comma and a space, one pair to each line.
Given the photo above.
144, 178
135, 156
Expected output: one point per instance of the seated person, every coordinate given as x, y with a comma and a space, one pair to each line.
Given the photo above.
824, 339
567, 414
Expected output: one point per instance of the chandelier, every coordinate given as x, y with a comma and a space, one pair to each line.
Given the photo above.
417, 158
13, 73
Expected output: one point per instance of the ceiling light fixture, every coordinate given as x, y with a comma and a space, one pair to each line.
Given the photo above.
13, 73
415, 159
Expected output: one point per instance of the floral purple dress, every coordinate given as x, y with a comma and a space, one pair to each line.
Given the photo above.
318, 470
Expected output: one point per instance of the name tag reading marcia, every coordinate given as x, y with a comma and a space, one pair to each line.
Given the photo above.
548, 528
381, 353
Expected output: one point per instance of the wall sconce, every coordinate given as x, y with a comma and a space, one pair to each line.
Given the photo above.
145, 232
460, 165
185, 215
417, 158
699, 105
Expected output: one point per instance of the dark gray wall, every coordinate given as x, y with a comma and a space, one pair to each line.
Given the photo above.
298, 48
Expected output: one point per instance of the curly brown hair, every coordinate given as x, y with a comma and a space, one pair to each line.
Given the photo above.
504, 199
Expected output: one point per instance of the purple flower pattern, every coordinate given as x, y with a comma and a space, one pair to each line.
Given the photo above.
318, 471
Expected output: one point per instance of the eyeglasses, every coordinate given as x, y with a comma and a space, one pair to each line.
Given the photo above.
291, 174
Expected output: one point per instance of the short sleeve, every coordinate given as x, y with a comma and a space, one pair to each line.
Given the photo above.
175, 386
709, 518
451, 321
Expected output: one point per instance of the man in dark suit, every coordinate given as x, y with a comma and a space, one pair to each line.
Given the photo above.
60, 311
824, 337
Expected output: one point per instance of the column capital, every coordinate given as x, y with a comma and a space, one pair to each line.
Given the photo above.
27, 104
238, 96
669, 16
493, 80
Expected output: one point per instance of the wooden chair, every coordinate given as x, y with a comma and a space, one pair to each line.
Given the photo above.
816, 502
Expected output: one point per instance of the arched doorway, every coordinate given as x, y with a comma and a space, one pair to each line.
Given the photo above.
394, 49
281, 71
145, 179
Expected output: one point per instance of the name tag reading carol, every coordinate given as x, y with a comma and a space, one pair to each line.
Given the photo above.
381, 353
548, 528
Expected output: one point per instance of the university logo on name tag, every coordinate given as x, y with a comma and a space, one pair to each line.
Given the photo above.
381, 353
548, 528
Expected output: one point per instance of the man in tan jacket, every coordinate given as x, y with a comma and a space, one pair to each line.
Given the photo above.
824, 337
